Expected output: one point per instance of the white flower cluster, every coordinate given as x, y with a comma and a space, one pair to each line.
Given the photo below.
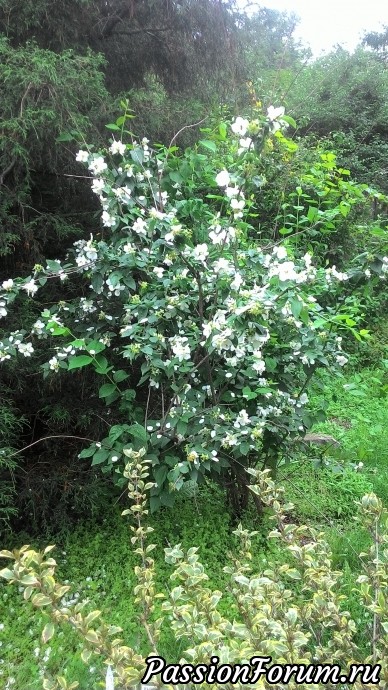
333, 273
86, 253
108, 220
220, 235
117, 147
286, 270
275, 117
180, 347
15, 344
97, 165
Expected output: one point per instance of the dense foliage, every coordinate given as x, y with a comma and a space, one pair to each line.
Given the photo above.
206, 340
291, 615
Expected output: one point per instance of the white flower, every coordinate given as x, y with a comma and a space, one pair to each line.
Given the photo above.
98, 185
97, 165
304, 398
223, 178
159, 271
242, 419
231, 191
223, 266
8, 284
26, 349
341, 360
230, 440
237, 281
280, 252
237, 204
54, 364
140, 226
221, 235
240, 126
117, 147
274, 113
82, 156
285, 271
180, 347
38, 327
30, 287
3, 311
245, 143
221, 341
200, 252
337, 274
107, 220
259, 364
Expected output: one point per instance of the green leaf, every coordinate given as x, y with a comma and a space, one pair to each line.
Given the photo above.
176, 177
138, 431
167, 499
160, 474
181, 427
101, 364
94, 347
88, 452
155, 503
106, 390
208, 144
97, 281
113, 127
53, 266
65, 136
101, 455
290, 120
248, 393
120, 375
137, 156
222, 128
79, 361
296, 307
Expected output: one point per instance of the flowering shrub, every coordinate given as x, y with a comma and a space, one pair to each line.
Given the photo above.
304, 626
206, 342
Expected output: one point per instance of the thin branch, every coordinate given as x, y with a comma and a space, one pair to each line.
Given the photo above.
46, 438
144, 30
196, 124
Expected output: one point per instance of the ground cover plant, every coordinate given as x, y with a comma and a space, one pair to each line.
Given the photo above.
193, 612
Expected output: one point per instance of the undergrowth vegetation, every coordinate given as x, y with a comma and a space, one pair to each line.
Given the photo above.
99, 561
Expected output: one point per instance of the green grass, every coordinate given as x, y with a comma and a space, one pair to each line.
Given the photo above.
99, 562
